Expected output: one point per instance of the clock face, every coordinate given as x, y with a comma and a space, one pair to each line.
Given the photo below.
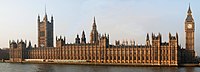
189, 26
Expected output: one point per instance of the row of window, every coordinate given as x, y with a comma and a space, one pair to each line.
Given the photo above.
99, 52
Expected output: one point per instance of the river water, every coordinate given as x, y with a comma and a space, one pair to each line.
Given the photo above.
17, 67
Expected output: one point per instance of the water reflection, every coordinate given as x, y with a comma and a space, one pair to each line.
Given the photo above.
10, 67
44, 68
163, 69
189, 69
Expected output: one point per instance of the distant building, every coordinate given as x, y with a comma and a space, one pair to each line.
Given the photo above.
4, 54
154, 52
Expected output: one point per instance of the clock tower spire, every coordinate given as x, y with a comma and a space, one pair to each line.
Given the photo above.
189, 30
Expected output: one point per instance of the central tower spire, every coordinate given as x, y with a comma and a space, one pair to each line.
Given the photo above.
94, 24
45, 16
94, 33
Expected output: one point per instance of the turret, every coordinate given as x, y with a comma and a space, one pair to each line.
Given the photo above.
173, 40
21, 44
13, 44
29, 44
177, 37
60, 42
77, 39
52, 19
104, 40
147, 40
169, 35
160, 37
156, 40
83, 39
117, 42
38, 19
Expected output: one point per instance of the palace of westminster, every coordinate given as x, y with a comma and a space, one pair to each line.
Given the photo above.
98, 50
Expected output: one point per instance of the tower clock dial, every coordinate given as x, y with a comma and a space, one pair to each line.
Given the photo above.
189, 26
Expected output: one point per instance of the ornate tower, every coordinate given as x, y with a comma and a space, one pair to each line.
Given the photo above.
189, 30
83, 39
94, 34
45, 32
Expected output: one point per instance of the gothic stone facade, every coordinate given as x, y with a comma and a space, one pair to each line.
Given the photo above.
154, 52
157, 53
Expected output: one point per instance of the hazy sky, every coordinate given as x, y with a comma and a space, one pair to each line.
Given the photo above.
122, 19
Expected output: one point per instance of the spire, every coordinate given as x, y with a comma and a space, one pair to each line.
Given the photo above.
45, 17
176, 35
152, 35
29, 44
108, 36
94, 19
159, 35
64, 38
189, 10
83, 34
83, 39
38, 17
189, 17
147, 36
94, 33
170, 35
94, 24
51, 17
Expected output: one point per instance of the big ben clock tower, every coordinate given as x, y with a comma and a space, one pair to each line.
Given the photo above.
189, 30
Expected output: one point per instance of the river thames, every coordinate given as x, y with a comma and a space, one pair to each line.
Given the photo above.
17, 67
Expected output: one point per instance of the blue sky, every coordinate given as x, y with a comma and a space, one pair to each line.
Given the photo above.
122, 19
